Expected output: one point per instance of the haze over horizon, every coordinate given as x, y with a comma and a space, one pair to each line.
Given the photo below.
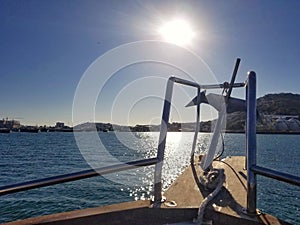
47, 47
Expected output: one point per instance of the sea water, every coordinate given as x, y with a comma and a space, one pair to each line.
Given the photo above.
29, 156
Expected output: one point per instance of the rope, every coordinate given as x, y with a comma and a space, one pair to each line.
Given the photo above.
221, 178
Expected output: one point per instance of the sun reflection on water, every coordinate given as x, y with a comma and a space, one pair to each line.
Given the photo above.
176, 159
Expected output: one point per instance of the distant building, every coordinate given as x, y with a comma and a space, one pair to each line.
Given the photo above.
59, 125
140, 128
293, 124
10, 124
281, 125
104, 127
283, 122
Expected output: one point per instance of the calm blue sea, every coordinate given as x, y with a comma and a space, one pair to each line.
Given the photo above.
28, 156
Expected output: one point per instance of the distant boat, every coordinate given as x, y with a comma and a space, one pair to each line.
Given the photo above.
4, 130
29, 129
44, 129
66, 130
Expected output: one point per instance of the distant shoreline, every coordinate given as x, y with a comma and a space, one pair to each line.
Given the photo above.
227, 132
265, 132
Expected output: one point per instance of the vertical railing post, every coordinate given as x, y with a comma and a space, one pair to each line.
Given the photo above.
162, 143
246, 129
251, 142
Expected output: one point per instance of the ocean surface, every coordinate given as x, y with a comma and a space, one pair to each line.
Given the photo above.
28, 156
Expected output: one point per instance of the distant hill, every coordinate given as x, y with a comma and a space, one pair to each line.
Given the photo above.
279, 104
270, 104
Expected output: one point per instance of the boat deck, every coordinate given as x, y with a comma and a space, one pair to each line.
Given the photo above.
226, 208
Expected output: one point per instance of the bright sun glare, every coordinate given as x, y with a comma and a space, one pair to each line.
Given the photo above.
178, 32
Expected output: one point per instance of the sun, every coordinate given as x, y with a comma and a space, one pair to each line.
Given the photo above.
177, 31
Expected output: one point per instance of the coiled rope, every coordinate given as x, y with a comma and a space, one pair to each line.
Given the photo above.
221, 180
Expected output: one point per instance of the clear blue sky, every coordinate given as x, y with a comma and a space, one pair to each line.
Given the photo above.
46, 46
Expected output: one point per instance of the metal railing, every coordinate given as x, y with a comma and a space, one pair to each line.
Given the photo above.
8, 189
164, 130
165, 122
252, 168
158, 161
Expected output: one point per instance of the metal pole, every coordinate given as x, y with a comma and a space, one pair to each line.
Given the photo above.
74, 176
162, 143
236, 67
277, 175
246, 131
251, 142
